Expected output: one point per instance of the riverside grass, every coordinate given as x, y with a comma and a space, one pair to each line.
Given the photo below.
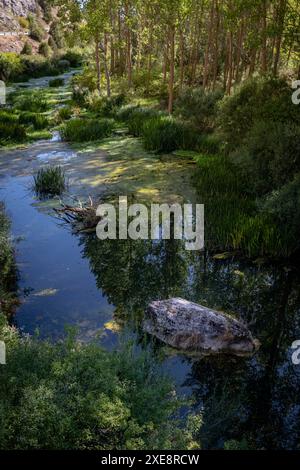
49, 181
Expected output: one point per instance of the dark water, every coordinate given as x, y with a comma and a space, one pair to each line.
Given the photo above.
107, 284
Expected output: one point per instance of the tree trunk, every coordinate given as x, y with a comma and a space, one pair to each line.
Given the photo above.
280, 25
97, 56
172, 69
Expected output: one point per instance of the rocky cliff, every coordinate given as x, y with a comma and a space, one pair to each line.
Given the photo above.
17, 7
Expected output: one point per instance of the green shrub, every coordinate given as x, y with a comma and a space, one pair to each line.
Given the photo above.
124, 114
283, 207
44, 49
49, 181
33, 102
27, 48
164, 134
56, 32
10, 66
8, 117
259, 99
107, 107
84, 130
56, 82
23, 22
69, 395
38, 121
271, 156
52, 43
11, 132
36, 30
8, 272
63, 114
74, 57
199, 107
137, 118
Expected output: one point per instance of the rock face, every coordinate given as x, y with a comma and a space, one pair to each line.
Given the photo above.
191, 327
18, 7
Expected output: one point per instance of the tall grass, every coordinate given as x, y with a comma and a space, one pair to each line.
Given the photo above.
85, 130
49, 181
38, 121
11, 132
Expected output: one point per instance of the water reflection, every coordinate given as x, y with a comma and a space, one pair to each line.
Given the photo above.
256, 398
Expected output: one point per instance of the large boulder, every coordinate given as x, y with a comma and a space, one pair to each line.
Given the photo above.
191, 327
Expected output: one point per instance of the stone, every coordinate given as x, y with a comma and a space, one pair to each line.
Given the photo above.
193, 328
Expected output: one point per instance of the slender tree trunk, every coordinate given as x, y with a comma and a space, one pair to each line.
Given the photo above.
264, 65
97, 56
172, 69
181, 59
107, 75
278, 41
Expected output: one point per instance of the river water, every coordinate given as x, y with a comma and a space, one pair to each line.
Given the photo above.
103, 287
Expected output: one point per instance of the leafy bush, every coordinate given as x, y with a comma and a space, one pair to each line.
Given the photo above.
56, 82
137, 118
8, 272
44, 49
283, 206
164, 134
56, 32
107, 107
271, 156
38, 121
11, 132
23, 22
259, 99
63, 114
199, 107
33, 102
6, 116
10, 66
49, 181
74, 57
78, 396
36, 30
124, 114
27, 48
84, 130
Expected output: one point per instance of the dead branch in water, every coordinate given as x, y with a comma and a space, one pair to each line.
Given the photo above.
82, 218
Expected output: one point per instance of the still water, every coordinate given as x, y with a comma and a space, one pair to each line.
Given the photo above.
103, 287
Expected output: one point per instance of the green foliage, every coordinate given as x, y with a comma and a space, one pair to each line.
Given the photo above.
36, 29
259, 99
73, 56
283, 207
84, 130
27, 48
7, 116
56, 32
77, 396
63, 114
8, 273
11, 132
50, 181
38, 121
124, 114
107, 106
23, 22
10, 65
52, 43
199, 107
164, 134
44, 49
136, 118
236, 445
32, 101
56, 82
271, 156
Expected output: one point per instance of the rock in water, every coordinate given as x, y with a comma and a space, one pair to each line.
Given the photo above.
197, 329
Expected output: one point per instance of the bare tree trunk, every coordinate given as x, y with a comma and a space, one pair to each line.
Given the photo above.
181, 59
97, 56
278, 41
172, 69
107, 75
264, 65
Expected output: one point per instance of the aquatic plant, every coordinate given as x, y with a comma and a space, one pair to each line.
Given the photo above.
85, 130
11, 132
49, 181
56, 82
38, 121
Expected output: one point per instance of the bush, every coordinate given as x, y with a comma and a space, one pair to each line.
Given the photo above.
38, 121
259, 99
164, 134
8, 272
27, 48
8, 117
36, 30
63, 114
10, 66
283, 206
84, 130
33, 102
49, 182
11, 132
44, 49
56, 82
271, 156
73, 57
199, 107
52, 43
137, 118
23, 22
69, 395
56, 32
107, 107
124, 114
